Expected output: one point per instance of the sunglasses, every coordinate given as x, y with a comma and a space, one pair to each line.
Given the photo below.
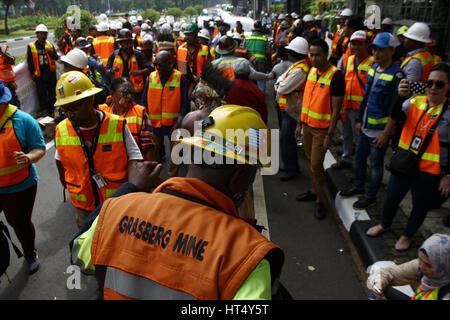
438, 84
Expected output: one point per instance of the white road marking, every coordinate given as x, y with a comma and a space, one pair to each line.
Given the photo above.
259, 203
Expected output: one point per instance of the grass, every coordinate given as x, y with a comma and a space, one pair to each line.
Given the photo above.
16, 34
20, 59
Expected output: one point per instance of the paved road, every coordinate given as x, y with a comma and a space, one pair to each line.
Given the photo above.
317, 263
19, 47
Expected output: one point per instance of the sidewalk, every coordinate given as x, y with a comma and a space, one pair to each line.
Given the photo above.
382, 247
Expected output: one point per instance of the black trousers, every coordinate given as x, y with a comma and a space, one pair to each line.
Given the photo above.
45, 86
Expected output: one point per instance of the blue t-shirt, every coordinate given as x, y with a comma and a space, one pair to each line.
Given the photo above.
30, 137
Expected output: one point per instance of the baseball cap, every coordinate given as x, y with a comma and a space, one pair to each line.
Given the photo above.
384, 40
359, 35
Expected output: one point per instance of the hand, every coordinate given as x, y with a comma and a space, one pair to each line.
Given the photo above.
378, 292
381, 140
444, 186
22, 158
144, 175
327, 142
403, 88
358, 128
298, 131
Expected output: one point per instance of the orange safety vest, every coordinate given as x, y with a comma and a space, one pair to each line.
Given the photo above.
10, 172
354, 91
134, 117
212, 52
138, 81
164, 103
109, 159
6, 70
34, 53
427, 61
215, 32
225, 65
104, 47
305, 65
334, 42
182, 57
419, 121
316, 107
197, 249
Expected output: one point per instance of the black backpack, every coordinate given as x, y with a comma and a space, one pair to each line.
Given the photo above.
5, 239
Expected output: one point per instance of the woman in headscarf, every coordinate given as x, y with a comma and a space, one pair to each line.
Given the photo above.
431, 271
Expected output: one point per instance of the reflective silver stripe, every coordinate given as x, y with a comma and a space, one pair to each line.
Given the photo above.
137, 287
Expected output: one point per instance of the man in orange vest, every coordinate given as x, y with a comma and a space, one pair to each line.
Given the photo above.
41, 61
189, 228
419, 61
192, 56
93, 149
166, 98
127, 62
7, 74
322, 101
356, 70
352, 24
103, 45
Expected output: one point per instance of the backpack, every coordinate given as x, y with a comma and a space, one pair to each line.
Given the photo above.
4, 248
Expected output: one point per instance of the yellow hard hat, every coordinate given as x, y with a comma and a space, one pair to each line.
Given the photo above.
402, 30
234, 132
73, 86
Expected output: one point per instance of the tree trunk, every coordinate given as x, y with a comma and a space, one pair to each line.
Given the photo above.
6, 18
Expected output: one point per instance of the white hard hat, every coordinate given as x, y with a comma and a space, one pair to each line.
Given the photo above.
41, 28
118, 25
165, 29
346, 13
299, 45
103, 18
297, 22
102, 27
176, 26
318, 17
139, 18
294, 15
204, 33
386, 21
282, 16
145, 26
419, 31
77, 58
308, 18
236, 36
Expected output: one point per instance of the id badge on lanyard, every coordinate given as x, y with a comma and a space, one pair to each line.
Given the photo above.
99, 180
416, 143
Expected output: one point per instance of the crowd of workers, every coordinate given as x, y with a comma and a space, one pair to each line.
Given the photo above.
126, 86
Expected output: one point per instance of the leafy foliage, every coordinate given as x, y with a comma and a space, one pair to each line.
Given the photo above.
87, 20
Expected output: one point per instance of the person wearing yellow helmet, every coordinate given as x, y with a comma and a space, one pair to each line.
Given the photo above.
400, 51
188, 227
93, 149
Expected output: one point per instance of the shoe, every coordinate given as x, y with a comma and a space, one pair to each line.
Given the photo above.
376, 230
364, 203
403, 244
352, 192
288, 175
307, 196
320, 211
341, 165
33, 262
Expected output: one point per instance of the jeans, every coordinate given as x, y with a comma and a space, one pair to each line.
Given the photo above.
288, 144
348, 129
366, 148
423, 188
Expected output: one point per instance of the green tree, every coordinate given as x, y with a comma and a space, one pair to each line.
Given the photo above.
6, 5
87, 20
198, 8
152, 14
190, 11
174, 11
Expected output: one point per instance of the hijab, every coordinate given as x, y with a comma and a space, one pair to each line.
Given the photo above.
437, 248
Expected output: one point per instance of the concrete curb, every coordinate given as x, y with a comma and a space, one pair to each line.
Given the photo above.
17, 39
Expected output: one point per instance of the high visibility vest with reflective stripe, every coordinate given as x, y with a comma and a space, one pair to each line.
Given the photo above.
379, 99
10, 172
427, 61
418, 115
138, 81
160, 246
334, 42
316, 107
305, 67
256, 44
226, 66
354, 92
182, 59
6, 70
104, 47
110, 160
34, 53
426, 295
134, 117
164, 103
